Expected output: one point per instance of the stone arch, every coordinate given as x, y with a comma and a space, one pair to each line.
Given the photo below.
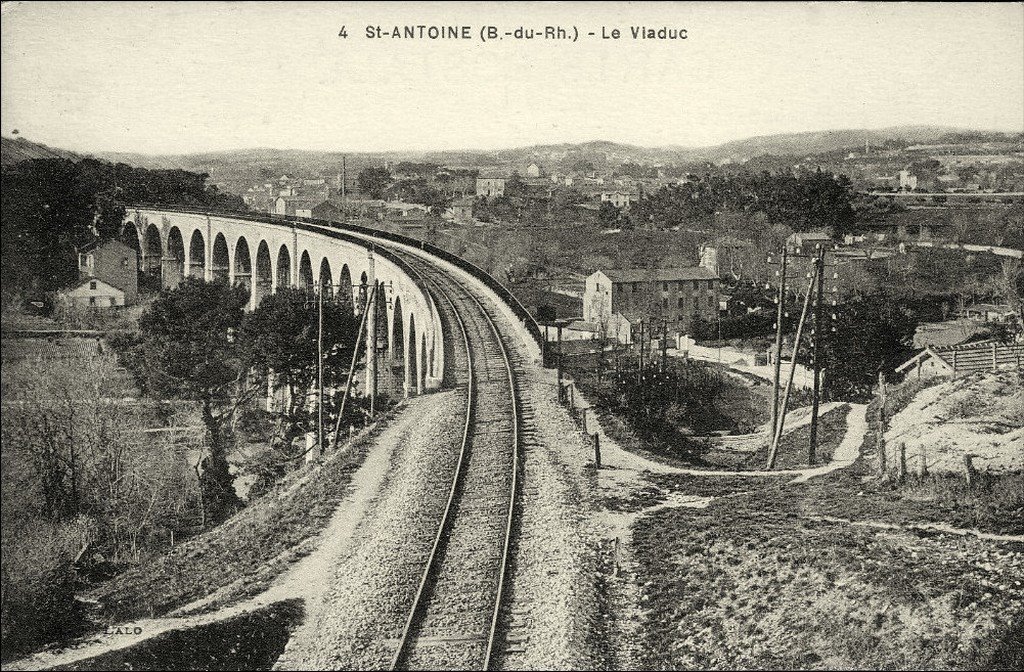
242, 266
398, 330
220, 260
305, 273
421, 371
345, 289
381, 301
172, 268
411, 364
263, 284
396, 350
154, 250
284, 268
432, 359
197, 255
326, 283
130, 237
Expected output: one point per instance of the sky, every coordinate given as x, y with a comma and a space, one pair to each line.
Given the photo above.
190, 77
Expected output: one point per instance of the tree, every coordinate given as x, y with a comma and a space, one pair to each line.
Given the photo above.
609, 216
281, 334
44, 218
872, 333
187, 349
515, 187
52, 206
373, 181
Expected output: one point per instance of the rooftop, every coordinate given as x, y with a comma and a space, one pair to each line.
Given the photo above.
659, 274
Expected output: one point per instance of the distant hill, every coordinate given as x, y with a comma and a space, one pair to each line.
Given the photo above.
15, 150
238, 169
818, 142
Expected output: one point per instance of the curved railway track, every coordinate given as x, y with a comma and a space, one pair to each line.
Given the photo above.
454, 619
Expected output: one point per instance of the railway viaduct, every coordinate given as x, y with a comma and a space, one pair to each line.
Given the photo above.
264, 254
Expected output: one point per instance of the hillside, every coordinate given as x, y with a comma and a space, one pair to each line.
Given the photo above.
15, 150
981, 415
238, 169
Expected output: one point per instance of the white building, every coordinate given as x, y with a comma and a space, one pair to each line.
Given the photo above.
94, 293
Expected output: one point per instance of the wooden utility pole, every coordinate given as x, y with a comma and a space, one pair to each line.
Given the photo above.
773, 453
880, 435
320, 371
816, 345
351, 374
371, 335
558, 361
664, 344
778, 341
344, 196
640, 369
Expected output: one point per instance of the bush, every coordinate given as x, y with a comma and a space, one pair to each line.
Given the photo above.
760, 323
38, 584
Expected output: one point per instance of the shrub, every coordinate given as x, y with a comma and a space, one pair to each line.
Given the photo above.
38, 583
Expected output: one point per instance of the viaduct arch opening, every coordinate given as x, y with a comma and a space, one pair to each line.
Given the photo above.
197, 255
220, 260
264, 284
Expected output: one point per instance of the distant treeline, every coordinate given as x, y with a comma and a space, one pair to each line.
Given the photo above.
52, 206
800, 201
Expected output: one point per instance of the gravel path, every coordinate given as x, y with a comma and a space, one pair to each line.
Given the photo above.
616, 457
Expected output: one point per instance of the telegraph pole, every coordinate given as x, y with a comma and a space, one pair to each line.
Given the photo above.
344, 198
816, 344
776, 437
641, 362
320, 371
371, 335
781, 300
664, 343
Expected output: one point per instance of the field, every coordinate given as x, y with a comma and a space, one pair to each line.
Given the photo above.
779, 576
843, 571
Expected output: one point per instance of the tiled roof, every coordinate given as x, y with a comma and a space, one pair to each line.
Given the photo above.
659, 274
974, 357
50, 348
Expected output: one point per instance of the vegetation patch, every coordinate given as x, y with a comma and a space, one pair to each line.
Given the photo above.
754, 582
793, 446
993, 503
252, 547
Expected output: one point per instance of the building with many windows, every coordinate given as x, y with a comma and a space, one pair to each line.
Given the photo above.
490, 187
668, 300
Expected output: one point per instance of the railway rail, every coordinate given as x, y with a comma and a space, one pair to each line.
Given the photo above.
455, 617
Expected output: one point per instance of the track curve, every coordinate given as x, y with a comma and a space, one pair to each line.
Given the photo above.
454, 620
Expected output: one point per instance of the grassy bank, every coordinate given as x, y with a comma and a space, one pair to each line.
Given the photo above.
248, 550
761, 581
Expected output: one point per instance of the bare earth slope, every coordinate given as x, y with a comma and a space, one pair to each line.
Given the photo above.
980, 415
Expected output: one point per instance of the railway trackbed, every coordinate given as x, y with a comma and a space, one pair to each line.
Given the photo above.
454, 622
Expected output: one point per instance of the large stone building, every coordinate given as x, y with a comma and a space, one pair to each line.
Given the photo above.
669, 299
